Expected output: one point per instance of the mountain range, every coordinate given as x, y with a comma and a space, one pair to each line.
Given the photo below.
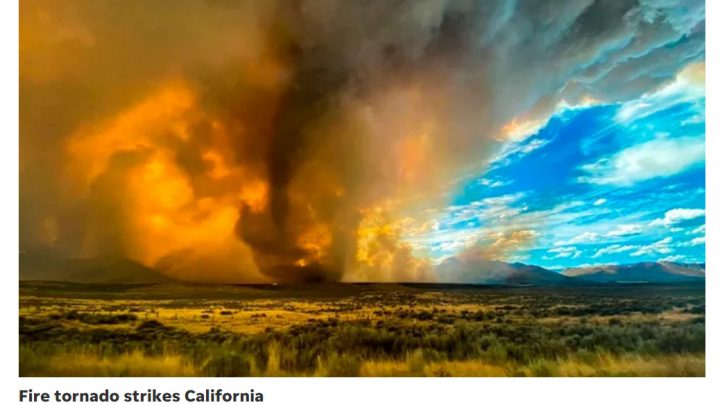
649, 272
472, 270
49, 267
480, 271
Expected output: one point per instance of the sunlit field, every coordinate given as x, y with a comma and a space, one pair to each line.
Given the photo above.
361, 330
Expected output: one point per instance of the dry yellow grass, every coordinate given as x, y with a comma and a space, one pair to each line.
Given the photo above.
604, 365
134, 364
588, 366
138, 364
432, 369
633, 365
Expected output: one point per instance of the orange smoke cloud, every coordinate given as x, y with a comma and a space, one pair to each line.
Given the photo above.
164, 113
167, 223
503, 244
244, 141
382, 255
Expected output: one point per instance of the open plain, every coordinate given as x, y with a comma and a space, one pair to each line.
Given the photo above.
361, 330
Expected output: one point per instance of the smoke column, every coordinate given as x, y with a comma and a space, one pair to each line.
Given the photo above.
296, 140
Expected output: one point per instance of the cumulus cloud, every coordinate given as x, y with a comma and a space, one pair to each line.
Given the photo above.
531, 145
673, 258
693, 242
581, 238
564, 252
656, 158
678, 215
699, 229
662, 247
612, 249
625, 230
492, 183
585, 237
492, 208
596, 264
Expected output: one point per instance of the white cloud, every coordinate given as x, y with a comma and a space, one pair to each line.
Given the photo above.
585, 237
533, 145
597, 264
693, 242
512, 150
600, 201
612, 249
688, 87
493, 183
500, 200
699, 229
582, 238
673, 258
656, 158
625, 229
678, 215
489, 210
563, 252
662, 247
698, 241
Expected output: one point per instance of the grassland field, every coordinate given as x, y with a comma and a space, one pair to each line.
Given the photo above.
361, 330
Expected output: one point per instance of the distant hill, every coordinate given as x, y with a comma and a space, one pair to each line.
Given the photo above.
473, 270
660, 272
48, 267
480, 271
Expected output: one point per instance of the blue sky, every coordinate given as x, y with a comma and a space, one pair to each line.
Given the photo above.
596, 184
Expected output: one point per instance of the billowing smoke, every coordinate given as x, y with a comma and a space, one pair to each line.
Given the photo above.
299, 140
